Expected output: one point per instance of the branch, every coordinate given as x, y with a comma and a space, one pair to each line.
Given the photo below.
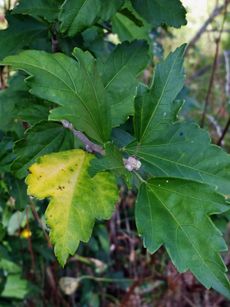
214, 66
226, 128
217, 11
89, 146
55, 42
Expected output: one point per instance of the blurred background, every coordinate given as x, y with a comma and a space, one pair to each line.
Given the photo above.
114, 269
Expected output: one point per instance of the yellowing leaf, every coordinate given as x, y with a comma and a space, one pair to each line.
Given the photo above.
76, 199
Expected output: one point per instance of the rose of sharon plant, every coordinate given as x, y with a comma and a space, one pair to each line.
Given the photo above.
91, 120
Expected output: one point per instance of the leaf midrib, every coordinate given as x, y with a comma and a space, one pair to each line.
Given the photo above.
125, 65
181, 227
60, 79
77, 177
159, 100
176, 163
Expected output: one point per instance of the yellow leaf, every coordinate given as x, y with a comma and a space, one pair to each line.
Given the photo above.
76, 199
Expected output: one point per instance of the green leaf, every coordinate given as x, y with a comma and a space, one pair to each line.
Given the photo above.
75, 86
15, 287
6, 155
9, 266
32, 110
109, 8
123, 66
183, 150
20, 34
127, 29
76, 16
47, 9
155, 107
179, 150
18, 107
176, 213
43, 138
17, 190
161, 12
75, 199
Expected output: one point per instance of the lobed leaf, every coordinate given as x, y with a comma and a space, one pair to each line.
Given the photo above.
183, 150
161, 12
47, 9
123, 66
76, 199
74, 85
129, 25
19, 106
176, 213
171, 149
109, 8
20, 34
155, 106
76, 16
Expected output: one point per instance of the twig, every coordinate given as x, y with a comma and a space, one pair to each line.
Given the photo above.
30, 246
55, 43
89, 146
215, 124
227, 65
214, 66
214, 14
2, 80
224, 133
37, 218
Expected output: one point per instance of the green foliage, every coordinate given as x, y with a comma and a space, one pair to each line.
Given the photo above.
167, 147
20, 34
183, 150
155, 108
158, 12
129, 25
94, 80
19, 106
47, 9
75, 86
176, 214
75, 17
41, 139
123, 65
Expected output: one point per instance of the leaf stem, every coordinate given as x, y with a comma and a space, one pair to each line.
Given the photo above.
226, 128
139, 177
89, 146
102, 279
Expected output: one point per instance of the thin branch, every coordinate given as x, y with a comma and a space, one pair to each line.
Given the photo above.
224, 133
37, 218
30, 246
217, 11
214, 66
89, 146
54, 42
227, 65
2, 81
